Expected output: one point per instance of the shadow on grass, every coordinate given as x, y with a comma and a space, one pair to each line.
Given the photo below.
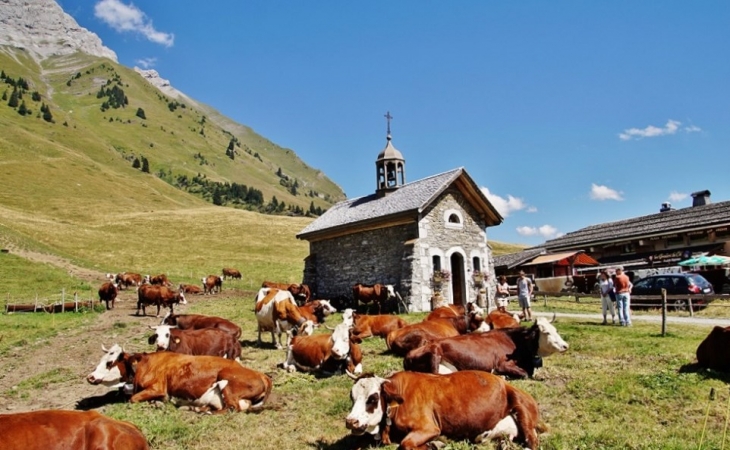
97, 401
254, 343
348, 442
704, 372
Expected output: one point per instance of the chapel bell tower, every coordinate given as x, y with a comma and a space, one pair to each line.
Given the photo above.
390, 166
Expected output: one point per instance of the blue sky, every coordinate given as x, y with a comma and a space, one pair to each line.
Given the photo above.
568, 113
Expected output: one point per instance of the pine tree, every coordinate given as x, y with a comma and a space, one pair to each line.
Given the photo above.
35, 96
2, 75
47, 116
311, 208
23, 110
136, 164
231, 145
141, 114
5, 95
145, 165
13, 102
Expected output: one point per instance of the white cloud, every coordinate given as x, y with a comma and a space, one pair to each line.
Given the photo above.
532, 209
146, 63
124, 17
671, 127
675, 196
505, 206
546, 231
600, 192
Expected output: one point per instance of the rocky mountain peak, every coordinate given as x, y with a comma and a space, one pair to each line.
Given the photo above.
43, 29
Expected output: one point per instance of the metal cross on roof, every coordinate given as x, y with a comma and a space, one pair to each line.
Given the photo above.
388, 117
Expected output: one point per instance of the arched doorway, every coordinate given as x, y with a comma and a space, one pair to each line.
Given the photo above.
458, 290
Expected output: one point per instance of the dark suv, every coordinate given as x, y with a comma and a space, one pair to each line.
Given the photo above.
685, 284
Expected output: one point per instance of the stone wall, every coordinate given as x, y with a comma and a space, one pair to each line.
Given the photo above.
375, 256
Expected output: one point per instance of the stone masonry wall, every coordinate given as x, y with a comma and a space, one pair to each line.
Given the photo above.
375, 256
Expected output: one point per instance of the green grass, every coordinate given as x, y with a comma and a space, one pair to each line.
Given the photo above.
610, 379
21, 280
21, 332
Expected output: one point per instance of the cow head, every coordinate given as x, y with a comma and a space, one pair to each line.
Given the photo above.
348, 317
391, 291
162, 337
367, 406
107, 373
327, 307
180, 295
341, 341
147, 279
550, 341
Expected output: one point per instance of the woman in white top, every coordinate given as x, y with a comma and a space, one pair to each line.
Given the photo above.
502, 293
605, 286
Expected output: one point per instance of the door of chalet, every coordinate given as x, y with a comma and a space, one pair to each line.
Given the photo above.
457, 280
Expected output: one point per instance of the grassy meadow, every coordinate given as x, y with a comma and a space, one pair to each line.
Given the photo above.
615, 388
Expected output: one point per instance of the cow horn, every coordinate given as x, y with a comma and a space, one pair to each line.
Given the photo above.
351, 375
554, 317
104, 348
328, 327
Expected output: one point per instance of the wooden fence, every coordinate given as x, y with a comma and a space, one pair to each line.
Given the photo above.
53, 307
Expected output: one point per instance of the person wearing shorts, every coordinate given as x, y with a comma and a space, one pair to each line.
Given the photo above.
502, 293
524, 293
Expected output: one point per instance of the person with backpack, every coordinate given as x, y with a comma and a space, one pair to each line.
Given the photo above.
608, 296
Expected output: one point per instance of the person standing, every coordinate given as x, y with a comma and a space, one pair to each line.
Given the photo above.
623, 286
605, 286
502, 293
524, 293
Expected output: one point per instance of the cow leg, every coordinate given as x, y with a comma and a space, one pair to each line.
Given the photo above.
158, 310
418, 439
259, 344
511, 369
147, 395
276, 343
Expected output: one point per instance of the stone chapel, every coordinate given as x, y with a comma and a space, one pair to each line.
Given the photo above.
423, 237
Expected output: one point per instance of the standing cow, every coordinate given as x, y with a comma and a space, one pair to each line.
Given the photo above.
159, 296
212, 284
127, 279
277, 312
158, 280
231, 273
379, 294
416, 408
301, 292
108, 293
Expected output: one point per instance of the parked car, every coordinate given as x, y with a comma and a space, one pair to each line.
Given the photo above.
685, 284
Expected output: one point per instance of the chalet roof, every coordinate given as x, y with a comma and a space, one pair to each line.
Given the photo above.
411, 197
650, 225
515, 259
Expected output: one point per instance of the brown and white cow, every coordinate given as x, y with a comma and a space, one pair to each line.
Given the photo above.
513, 352
212, 284
276, 311
231, 273
454, 311
416, 408
378, 294
159, 296
202, 382
198, 322
127, 279
300, 292
380, 325
190, 289
714, 351
108, 293
77, 430
317, 310
204, 341
326, 353
499, 319
405, 339
158, 280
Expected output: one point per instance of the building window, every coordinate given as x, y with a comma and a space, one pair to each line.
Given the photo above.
453, 219
436, 262
675, 241
477, 264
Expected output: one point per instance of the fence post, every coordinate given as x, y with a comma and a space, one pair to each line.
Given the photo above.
76, 302
691, 310
664, 312
544, 296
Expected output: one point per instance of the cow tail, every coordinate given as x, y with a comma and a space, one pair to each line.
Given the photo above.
257, 404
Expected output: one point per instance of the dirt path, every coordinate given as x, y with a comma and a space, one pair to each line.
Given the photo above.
58, 366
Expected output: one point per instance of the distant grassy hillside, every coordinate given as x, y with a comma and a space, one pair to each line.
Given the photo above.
503, 248
87, 149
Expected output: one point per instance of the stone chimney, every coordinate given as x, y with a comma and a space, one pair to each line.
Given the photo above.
701, 198
666, 206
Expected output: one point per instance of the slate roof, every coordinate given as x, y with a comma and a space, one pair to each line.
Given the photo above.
414, 196
653, 224
515, 259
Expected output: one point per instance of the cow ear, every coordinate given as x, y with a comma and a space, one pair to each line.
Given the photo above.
177, 340
152, 339
391, 394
